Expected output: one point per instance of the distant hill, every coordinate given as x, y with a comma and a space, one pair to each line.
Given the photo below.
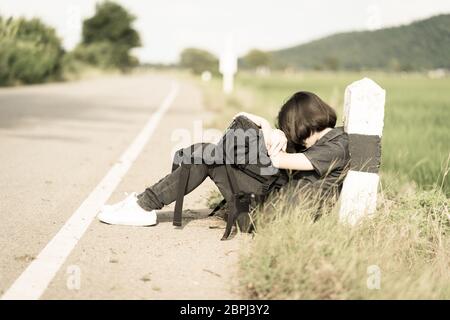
420, 45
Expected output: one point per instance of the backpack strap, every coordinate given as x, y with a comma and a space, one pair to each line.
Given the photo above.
233, 210
179, 162
231, 179
241, 202
218, 207
177, 159
181, 189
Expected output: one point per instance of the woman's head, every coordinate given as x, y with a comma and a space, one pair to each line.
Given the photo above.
303, 115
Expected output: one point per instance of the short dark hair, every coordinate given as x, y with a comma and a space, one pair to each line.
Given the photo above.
303, 114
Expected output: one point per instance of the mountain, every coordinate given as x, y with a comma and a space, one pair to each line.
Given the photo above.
423, 44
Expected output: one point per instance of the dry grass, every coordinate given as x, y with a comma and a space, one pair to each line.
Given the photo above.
293, 257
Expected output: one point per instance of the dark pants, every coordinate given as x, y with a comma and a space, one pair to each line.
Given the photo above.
164, 191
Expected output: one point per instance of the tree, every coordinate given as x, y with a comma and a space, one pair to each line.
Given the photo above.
199, 60
111, 26
256, 58
30, 51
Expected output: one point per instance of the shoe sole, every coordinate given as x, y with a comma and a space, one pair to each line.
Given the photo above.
127, 224
107, 221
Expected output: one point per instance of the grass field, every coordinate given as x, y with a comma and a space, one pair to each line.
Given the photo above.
406, 245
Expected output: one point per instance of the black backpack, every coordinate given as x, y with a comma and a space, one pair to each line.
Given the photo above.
242, 203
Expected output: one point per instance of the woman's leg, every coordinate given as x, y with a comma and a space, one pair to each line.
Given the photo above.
165, 190
247, 184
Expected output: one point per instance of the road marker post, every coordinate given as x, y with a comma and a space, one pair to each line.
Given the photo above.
228, 66
363, 122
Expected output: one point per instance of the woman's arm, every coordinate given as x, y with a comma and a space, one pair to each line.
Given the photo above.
292, 161
259, 121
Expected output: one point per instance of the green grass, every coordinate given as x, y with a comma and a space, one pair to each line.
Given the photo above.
408, 237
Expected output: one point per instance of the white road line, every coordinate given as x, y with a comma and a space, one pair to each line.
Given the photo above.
35, 279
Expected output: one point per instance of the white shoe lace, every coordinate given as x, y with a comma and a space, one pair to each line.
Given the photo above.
129, 196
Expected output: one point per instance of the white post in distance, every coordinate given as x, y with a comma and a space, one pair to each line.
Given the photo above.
363, 122
228, 65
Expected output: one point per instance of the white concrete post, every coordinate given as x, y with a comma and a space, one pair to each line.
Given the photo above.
228, 65
363, 122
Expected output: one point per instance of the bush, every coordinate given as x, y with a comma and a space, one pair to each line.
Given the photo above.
30, 52
256, 58
100, 54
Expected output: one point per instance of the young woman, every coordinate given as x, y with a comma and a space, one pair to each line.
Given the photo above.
306, 146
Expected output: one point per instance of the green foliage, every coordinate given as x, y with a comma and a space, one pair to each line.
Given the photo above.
199, 60
30, 52
418, 46
108, 37
256, 58
102, 55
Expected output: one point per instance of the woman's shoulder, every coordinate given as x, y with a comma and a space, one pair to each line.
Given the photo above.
340, 131
342, 142
337, 134
337, 140
330, 152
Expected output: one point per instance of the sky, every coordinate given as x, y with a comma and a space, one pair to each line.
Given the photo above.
168, 26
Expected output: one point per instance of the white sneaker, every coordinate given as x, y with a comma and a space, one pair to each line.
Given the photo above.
127, 212
111, 207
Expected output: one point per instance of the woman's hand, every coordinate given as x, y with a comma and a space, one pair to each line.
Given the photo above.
278, 142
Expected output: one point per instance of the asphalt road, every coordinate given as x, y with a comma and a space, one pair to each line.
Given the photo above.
57, 142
